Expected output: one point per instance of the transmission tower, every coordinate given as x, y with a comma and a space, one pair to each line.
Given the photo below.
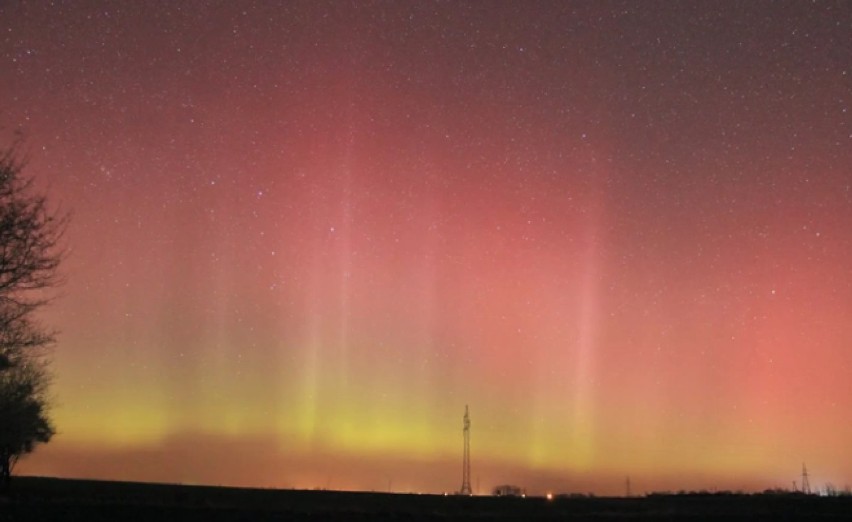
806, 485
465, 488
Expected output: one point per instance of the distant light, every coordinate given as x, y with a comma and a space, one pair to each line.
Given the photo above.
523, 495
550, 496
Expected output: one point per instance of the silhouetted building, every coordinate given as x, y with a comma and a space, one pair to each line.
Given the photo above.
508, 490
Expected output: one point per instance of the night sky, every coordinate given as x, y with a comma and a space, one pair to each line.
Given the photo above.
306, 234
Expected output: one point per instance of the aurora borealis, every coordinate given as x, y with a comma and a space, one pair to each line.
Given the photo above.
306, 234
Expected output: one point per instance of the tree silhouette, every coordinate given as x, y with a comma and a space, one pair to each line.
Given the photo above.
29, 257
23, 419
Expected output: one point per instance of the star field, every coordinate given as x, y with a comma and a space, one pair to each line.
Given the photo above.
306, 234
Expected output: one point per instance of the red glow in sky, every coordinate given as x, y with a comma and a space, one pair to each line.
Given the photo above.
306, 234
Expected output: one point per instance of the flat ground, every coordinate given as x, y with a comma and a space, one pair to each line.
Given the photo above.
35, 498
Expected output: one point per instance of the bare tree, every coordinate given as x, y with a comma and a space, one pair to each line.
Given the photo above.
30, 255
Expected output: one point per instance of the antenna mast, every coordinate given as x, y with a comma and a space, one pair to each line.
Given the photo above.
806, 484
465, 488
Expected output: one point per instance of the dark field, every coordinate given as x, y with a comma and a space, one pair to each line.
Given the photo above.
80, 500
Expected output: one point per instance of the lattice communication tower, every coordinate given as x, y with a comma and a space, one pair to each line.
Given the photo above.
465, 488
